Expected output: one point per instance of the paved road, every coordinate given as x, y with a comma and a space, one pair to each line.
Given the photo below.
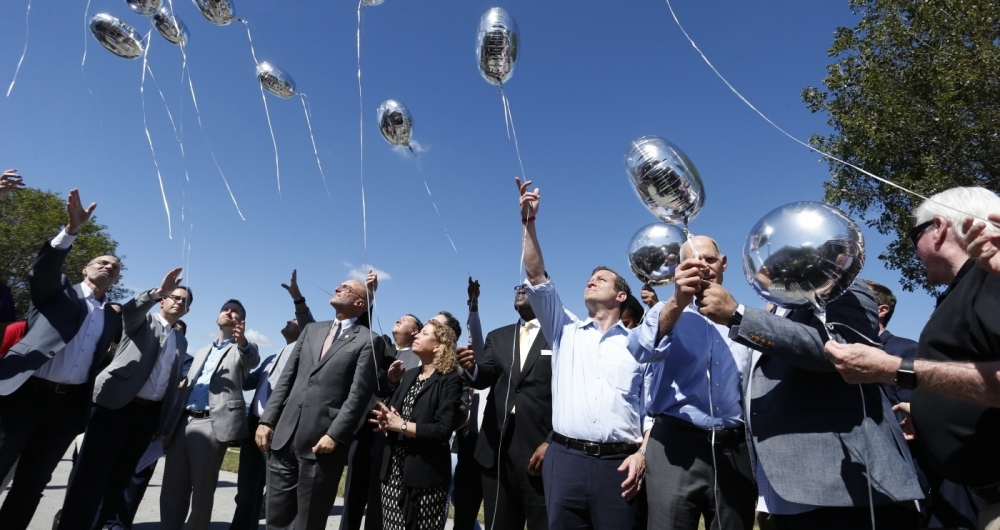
148, 517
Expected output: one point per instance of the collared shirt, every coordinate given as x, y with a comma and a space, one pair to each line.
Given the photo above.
198, 399
269, 378
156, 386
696, 357
71, 366
599, 391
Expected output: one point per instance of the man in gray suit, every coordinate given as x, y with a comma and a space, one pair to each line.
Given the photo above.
210, 412
316, 408
46, 378
133, 398
820, 447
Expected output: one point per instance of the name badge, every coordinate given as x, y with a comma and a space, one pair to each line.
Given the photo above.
547, 352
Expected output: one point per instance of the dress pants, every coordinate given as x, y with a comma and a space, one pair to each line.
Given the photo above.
127, 504
887, 517
301, 489
681, 484
359, 472
38, 426
373, 517
113, 445
250, 481
510, 492
190, 475
585, 493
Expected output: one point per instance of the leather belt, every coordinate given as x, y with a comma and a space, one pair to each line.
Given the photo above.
56, 388
197, 414
595, 448
144, 401
722, 436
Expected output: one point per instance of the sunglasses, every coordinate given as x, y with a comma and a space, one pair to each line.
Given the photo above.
917, 231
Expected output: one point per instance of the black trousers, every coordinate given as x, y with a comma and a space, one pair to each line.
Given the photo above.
467, 483
373, 519
887, 517
359, 473
301, 489
112, 447
38, 426
127, 505
585, 492
250, 481
509, 491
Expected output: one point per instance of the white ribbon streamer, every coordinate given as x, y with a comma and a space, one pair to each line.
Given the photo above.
24, 52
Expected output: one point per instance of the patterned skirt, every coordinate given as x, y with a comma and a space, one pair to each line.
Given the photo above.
427, 506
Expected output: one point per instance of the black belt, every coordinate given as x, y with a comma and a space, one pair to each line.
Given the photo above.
722, 436
145, 402
988, 494
595, 448
56, 388
198, 414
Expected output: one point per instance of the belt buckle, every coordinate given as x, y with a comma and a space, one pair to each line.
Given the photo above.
591, 449
59, 388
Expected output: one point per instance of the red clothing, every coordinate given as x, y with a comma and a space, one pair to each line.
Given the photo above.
12, 335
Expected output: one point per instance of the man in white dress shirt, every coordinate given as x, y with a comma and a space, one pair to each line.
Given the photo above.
594, 468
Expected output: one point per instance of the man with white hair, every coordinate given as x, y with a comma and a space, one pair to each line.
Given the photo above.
956, 377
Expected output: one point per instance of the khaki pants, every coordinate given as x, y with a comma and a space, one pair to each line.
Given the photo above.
989, 517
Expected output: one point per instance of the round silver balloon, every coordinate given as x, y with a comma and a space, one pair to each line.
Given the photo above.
395, 122
145, 8
665, 179
275, 80
371, 2
497, 45
219, 12
170, 26
804, 254
117, 36
655, 252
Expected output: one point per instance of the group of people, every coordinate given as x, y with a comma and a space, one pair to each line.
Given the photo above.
700, 408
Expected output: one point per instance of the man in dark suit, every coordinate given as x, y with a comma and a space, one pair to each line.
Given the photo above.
314, 412
132, 397
46, 379
819, 446
516, 366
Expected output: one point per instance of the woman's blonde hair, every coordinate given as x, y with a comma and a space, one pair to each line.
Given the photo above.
444, 359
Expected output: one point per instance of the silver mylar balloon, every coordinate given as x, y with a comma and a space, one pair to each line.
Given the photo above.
665, 179
655, 252
395, 122
218, 12
117, 36
371, 2
145, 8
170, 26
804, 254
497, 45
275, 80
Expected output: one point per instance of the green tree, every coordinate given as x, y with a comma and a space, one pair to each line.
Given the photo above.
913, 95
28, 218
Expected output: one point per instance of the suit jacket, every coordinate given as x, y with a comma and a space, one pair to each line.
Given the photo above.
529, 389
137, 355
318, 396
58, 309
805, 424
226, 405
437, 412
904, 349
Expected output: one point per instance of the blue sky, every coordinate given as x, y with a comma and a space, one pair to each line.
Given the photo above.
591, 77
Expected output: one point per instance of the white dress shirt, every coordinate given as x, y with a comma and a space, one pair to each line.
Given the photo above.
599, 391
156, 386
71, 366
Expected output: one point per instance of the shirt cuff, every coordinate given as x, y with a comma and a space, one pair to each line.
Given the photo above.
473, 374
62, 241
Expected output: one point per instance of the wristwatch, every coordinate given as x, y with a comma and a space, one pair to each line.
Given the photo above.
737, 316
403, 427
906, 377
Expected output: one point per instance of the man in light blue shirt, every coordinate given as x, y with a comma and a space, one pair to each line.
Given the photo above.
697, 460
594, 468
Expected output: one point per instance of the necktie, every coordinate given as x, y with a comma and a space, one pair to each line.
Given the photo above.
330, 338
525, 341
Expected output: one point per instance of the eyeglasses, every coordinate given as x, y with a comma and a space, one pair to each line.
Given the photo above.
344, 286
917, 231
519, 287
178, 299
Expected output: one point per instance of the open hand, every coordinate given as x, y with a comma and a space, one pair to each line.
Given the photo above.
293, 286
535, 464
635, 465
10, 182
529, 199
76, 213
982, 244
170, 282
395, 372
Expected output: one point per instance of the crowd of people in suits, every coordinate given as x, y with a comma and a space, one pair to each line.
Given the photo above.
700, 408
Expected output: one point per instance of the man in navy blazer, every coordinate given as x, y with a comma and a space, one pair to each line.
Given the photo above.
46, 379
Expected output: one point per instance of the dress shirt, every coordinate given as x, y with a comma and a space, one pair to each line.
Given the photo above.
695, 357
198, 399
269, 378
156, 386
599, 391
72, 365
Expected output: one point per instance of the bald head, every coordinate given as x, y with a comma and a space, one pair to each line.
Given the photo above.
713, 260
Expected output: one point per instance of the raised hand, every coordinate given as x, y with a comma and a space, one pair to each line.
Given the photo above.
687, 282
371, 280
473, 294
293, 286
982, 244
170, 282
715, 303
239, 329
77, 214
649, 295
395, 372
466, 358
529, 199
10, 182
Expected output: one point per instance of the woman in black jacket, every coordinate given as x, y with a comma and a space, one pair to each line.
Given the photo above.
423, 411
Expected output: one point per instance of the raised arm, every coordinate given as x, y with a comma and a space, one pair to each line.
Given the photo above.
473, 323
302, 313
534, 265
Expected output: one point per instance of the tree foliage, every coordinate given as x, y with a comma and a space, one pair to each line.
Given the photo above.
914, 97
28, 218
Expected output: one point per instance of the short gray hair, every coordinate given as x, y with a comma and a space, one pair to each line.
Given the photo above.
956, 204
690, 245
